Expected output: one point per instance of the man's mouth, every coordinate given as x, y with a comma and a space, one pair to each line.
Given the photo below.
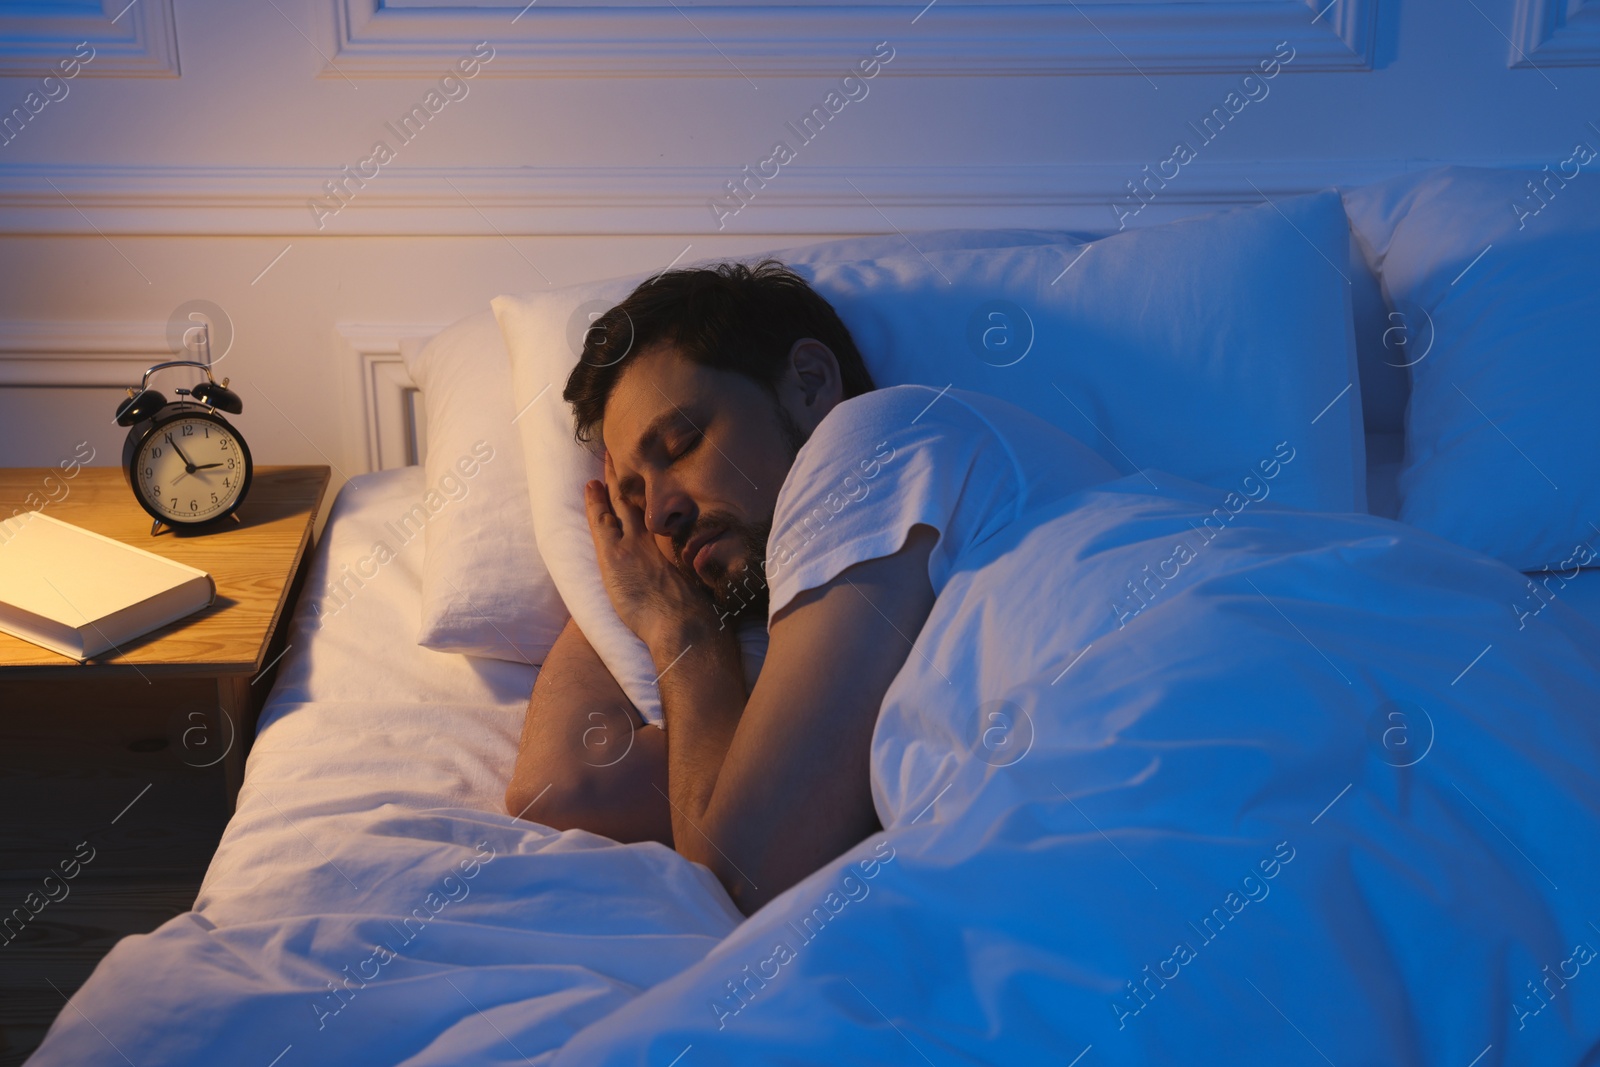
695, 553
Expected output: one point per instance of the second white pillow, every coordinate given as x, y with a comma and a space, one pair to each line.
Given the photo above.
485, 589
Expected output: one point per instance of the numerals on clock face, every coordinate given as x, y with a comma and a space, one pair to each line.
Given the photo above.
191, 470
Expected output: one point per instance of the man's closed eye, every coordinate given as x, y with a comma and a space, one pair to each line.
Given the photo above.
683, 450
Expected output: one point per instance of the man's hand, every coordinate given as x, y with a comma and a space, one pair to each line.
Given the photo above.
651, 595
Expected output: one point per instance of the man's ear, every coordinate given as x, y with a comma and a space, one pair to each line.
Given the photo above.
814, 371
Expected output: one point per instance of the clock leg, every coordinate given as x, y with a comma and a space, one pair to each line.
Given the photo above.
235, 701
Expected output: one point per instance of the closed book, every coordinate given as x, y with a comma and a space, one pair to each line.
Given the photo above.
80, 593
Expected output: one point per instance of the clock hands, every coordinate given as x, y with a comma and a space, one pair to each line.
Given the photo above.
189, 466
186, 462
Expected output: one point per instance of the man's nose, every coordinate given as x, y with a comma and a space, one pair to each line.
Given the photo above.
667, 510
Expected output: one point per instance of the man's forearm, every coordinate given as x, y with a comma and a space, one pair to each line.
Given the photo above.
701, 679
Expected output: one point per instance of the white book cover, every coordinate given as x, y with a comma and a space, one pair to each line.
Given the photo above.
80, 593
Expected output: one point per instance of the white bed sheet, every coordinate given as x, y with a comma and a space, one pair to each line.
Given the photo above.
371, 819
361, 715
1311, 797
371, 904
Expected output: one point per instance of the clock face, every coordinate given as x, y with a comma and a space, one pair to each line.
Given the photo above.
191, 470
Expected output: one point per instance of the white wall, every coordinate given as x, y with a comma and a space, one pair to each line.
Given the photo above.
180, 162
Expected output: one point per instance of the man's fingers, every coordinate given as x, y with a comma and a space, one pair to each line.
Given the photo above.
597, 506
629, 518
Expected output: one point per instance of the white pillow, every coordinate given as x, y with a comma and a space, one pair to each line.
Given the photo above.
1502, 446
485, 589
541, 356
1204, 389
1194, 347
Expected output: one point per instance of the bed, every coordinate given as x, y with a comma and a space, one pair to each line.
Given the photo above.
371, 902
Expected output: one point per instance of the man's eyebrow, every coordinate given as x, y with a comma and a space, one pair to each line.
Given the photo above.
651, 438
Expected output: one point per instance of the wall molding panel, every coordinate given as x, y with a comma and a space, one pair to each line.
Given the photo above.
72, 354
388, 428
130, 40
607, 137
371, 38
1555, 33
60, 382
391, 430
629, 201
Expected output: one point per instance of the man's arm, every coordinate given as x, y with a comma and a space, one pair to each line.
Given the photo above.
587, 760
766, 792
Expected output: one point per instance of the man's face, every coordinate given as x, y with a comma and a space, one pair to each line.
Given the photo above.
702, 453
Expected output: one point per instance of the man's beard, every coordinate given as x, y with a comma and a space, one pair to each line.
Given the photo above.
739, 594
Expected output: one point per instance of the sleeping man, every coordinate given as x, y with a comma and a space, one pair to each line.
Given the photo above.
1106, 751
753, 470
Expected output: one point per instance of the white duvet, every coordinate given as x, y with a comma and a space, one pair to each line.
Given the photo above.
1301, 793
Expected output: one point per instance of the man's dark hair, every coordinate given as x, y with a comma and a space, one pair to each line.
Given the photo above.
732, 317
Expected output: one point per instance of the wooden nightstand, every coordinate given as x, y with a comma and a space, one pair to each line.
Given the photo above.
229, 648
137, 755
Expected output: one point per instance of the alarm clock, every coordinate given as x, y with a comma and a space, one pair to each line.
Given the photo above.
187, 464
